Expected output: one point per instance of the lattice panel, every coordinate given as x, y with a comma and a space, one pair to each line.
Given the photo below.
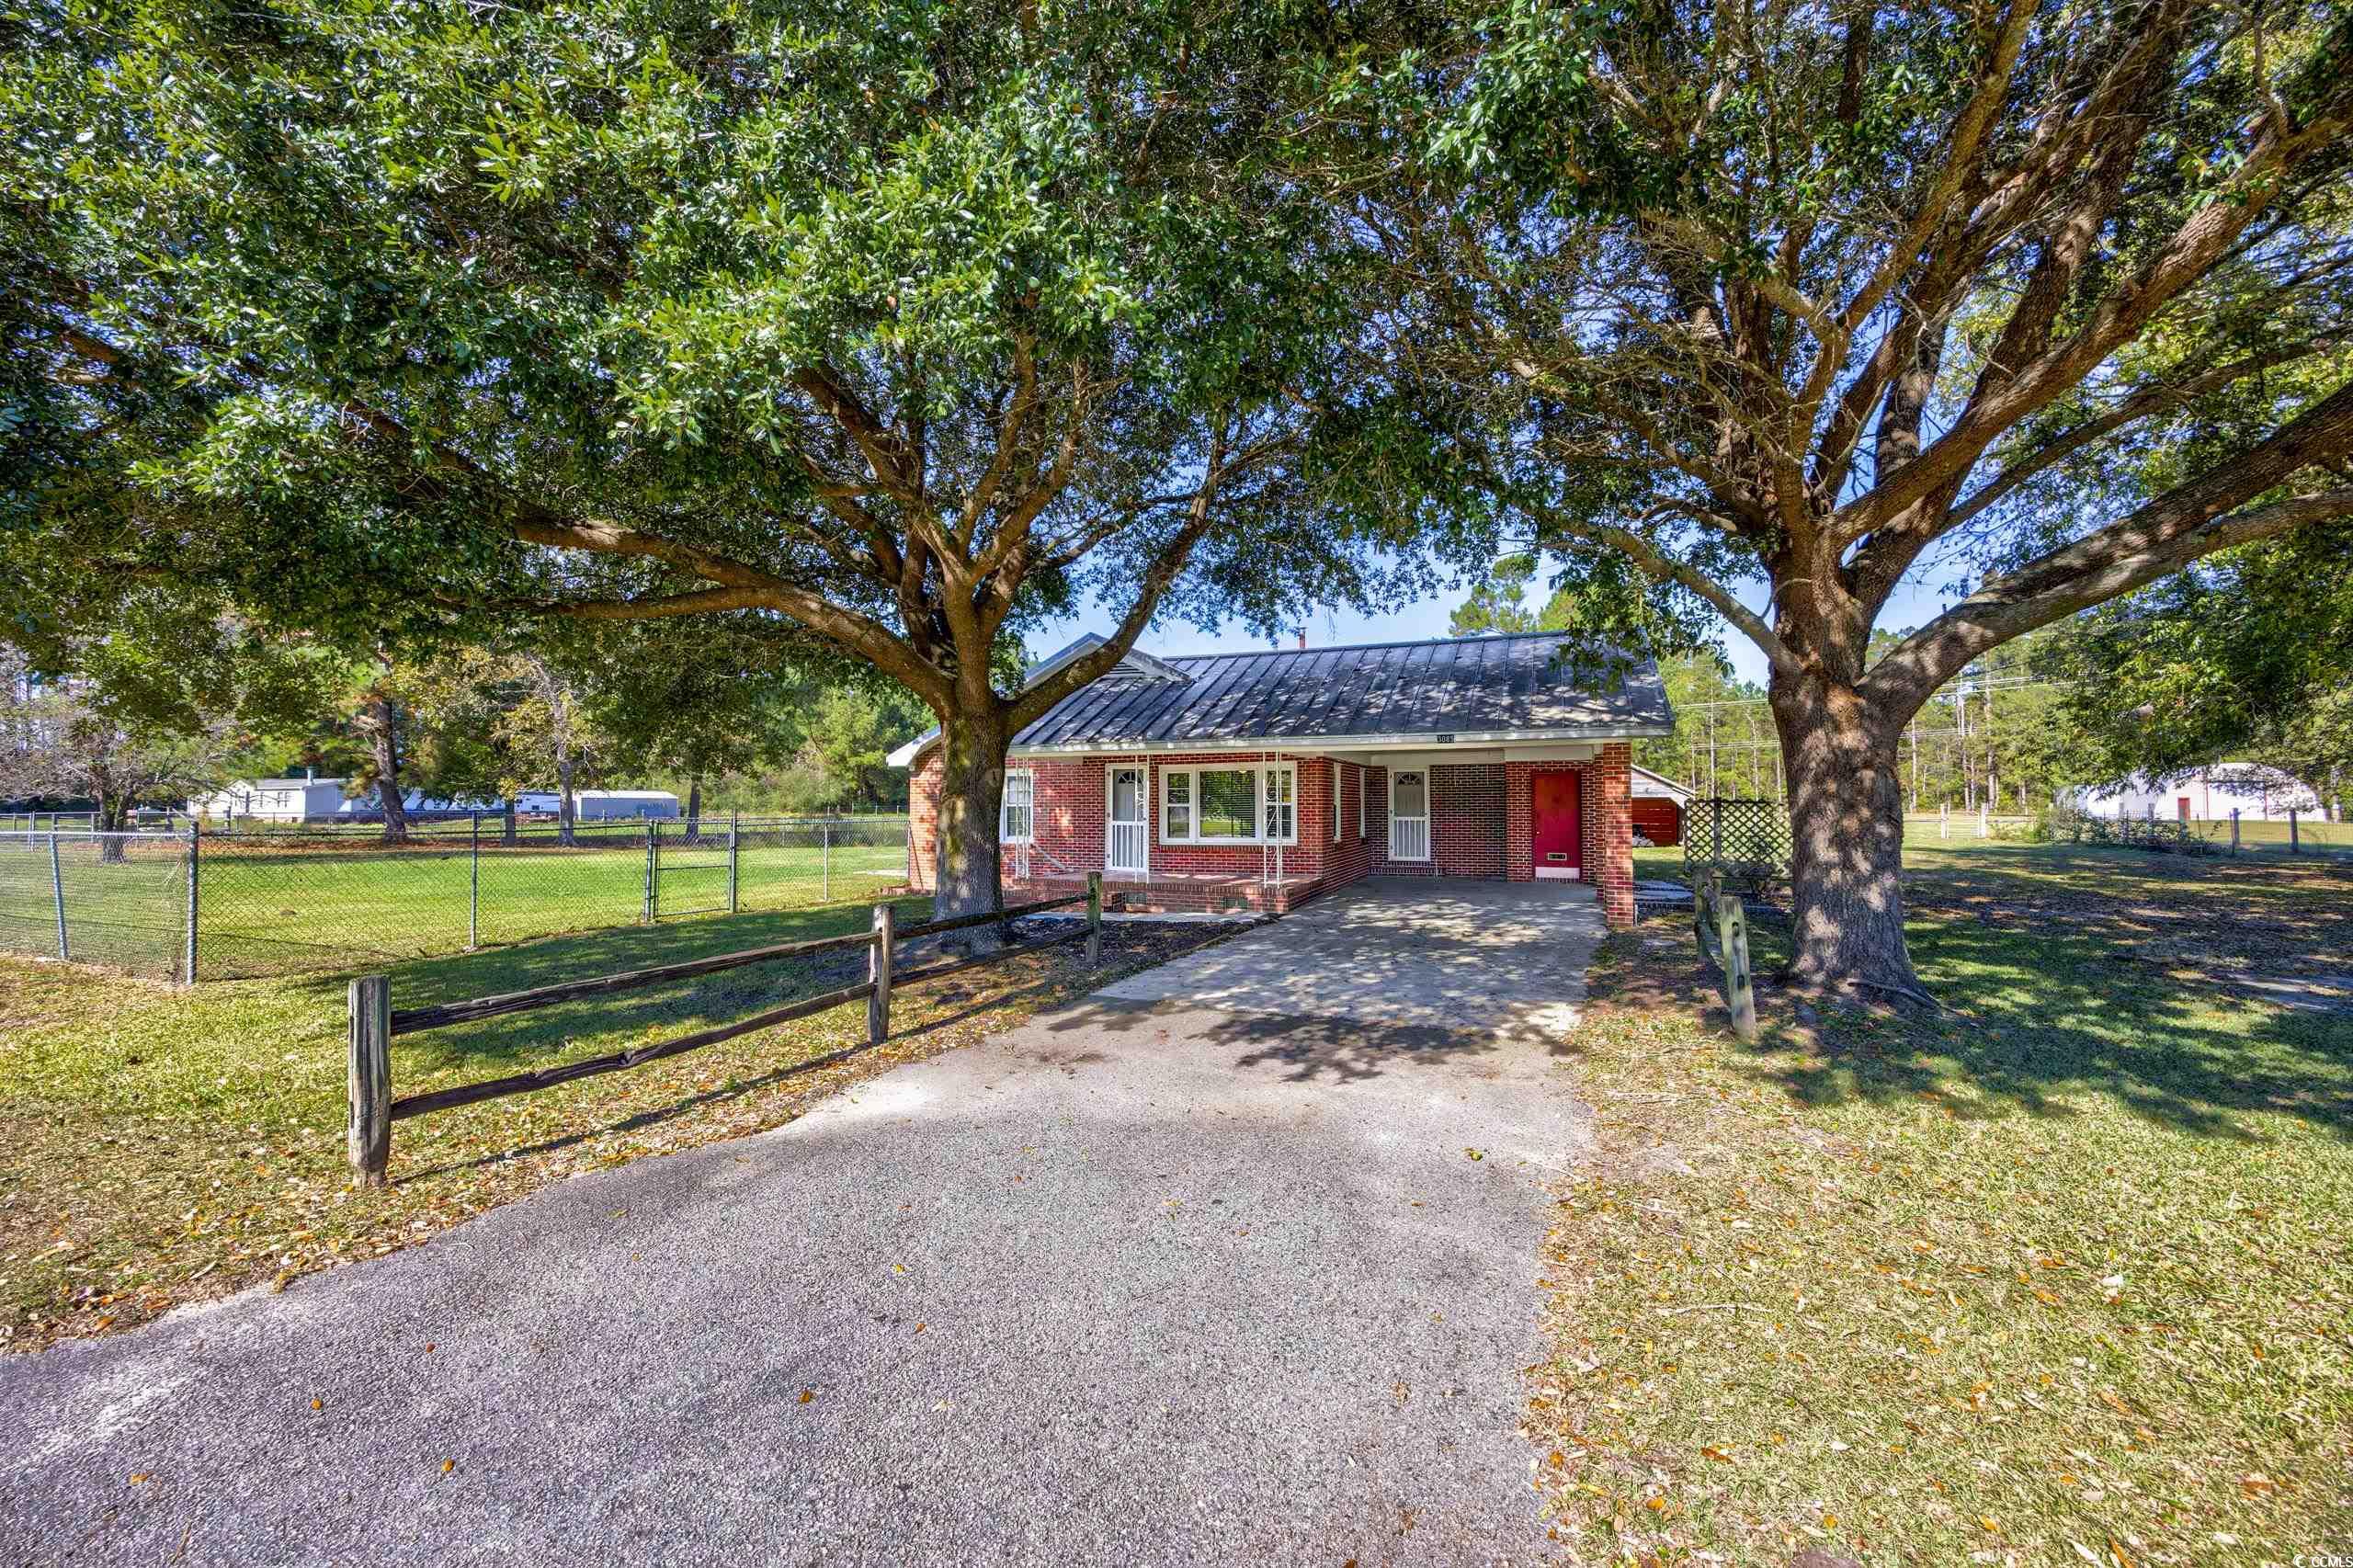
1748, 840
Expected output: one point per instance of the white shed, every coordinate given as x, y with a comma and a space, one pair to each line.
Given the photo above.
2203, 794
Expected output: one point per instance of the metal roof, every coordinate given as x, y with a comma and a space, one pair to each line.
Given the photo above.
1533, 686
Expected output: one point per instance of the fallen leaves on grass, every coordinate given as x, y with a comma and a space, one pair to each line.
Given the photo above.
219, 1165
1935, 1291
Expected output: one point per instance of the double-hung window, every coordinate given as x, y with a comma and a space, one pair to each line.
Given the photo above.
1175, 806
1364, 775
1017, 812
1336, 802
1250, 803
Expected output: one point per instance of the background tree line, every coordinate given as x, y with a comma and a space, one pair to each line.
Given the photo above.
171, 703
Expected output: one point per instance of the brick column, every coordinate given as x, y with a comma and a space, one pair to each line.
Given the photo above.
1611, 801
923, 822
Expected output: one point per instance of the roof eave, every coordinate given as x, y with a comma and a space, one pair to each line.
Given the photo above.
1435, 740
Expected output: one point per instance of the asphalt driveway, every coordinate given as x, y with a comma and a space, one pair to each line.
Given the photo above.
1138, 1281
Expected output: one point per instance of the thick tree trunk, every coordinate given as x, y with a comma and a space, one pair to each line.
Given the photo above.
694, 809
506, 820
384, 743
114, 806
971, 788
1847, 840
567, 810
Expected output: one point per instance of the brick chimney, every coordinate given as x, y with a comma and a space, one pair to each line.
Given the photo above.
1302, 639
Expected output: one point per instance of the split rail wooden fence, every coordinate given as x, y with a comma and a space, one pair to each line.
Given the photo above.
375, 1022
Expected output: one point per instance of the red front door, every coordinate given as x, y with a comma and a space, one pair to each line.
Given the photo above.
1558, 846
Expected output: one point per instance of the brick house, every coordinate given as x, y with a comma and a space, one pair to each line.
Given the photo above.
1258, 780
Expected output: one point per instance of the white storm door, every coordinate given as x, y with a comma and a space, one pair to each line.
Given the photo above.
1409, 816
1127, 834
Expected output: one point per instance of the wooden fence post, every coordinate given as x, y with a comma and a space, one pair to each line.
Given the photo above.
1703, 910
1094, 918
878, 970
1740, 993
370, 1080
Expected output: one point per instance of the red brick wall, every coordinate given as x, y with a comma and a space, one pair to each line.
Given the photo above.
1606, 829
1480, 825
1354, 855
1069, 819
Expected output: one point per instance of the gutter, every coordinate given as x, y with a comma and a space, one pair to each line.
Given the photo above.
1436, 740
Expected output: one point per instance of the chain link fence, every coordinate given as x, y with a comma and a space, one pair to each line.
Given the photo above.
280, 902
120, 899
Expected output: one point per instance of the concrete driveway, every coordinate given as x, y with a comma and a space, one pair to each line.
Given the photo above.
1139, 1282
1405, 953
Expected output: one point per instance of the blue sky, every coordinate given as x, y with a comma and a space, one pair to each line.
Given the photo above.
1913, 603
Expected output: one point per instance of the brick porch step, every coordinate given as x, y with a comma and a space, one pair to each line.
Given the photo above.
1177, 894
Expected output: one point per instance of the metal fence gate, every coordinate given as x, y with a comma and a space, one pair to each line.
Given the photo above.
689, 869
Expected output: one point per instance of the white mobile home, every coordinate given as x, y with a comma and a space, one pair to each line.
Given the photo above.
280, 799
607, 805
602, 805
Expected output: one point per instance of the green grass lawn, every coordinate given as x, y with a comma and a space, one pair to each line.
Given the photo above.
2061, 1276
161, 1146
281, 907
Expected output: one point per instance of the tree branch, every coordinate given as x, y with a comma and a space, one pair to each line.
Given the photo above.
2192, 521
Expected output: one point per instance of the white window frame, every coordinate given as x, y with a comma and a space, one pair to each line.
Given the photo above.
1336, 802
1364, 788
1028, 776
1191, 804
1428, 817
1258, 772
1268, 803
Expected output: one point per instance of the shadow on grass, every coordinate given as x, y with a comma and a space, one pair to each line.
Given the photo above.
549, 1034
969, 988
734, 1089
2059, 1002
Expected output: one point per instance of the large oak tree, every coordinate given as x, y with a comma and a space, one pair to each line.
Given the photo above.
884, 329
1764, 311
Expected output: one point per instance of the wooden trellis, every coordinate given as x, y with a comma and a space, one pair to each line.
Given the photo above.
1746, 841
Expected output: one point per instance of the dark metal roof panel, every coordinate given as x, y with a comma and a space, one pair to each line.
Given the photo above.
1526, 684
